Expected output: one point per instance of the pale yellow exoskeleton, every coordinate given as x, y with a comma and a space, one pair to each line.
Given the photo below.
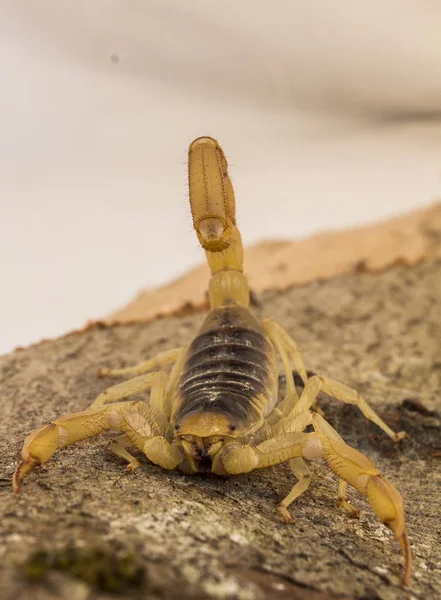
214, 405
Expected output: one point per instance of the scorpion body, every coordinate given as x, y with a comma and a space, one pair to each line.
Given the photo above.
229, 371
214, 405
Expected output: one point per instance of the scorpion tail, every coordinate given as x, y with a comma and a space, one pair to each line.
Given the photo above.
213, 210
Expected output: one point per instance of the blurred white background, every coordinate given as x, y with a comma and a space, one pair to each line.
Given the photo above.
329, 113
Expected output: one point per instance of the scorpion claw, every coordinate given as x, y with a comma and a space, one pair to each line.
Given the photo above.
132, 466
37, 449
21, 470
388, 505
405, 548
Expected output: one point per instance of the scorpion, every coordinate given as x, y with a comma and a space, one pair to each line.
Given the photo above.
214, 405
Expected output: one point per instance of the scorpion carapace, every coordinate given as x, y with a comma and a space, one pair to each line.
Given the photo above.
214, 405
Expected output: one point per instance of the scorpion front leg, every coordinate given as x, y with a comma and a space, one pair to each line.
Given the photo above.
119, 447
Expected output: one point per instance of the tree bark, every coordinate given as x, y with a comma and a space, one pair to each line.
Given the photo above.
83, 528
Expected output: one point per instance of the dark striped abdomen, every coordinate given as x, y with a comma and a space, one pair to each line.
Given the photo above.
229, 368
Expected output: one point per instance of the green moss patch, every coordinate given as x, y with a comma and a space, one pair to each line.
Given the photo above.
102, 568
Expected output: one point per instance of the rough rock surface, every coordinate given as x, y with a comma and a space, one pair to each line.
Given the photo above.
83, 528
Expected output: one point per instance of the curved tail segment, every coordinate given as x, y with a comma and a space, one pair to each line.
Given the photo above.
213, 209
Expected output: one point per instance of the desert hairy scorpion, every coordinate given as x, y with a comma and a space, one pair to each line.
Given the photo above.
214, 405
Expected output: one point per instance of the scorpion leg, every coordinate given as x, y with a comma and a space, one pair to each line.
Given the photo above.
297, 420
307, 399
161, 360
330, 386
286, 345
282, 415
124, 389
120, 444
326, 429
350, 396
172, 382
341, 499
141, 423
159, 381
271, 327
163, 385
119, 447
300, 470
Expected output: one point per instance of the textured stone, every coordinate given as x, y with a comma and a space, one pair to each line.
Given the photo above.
82, 521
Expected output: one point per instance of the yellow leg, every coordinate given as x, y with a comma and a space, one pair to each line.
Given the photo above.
330, 386
328, 431
272, 330
125, 389
309, 394
119, 447
350, 396
159, 382
342, 502
303, 474
158, 362
172, 382
287, 348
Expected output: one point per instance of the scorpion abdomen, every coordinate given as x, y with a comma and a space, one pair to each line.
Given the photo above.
229, 368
